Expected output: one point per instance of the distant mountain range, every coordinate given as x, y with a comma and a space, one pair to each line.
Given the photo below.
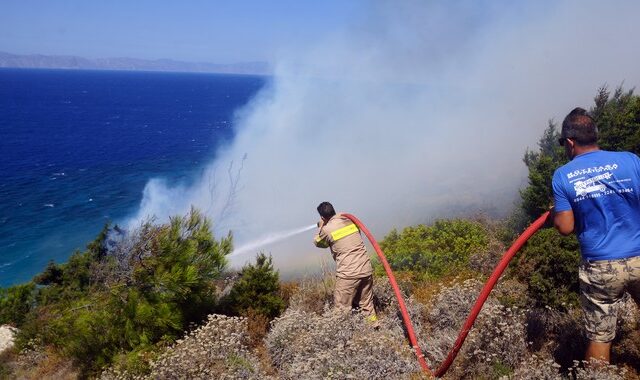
73, 62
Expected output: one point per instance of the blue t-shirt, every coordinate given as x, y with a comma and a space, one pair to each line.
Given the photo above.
603, 190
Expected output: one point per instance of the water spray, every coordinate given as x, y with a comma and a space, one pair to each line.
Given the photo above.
270, 239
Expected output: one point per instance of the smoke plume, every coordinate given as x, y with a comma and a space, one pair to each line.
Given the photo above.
416, 110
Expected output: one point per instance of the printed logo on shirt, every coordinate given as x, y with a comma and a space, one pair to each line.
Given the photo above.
598, 186
590, 185
595, 169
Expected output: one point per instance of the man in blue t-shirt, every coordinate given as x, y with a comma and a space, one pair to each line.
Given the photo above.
597, 196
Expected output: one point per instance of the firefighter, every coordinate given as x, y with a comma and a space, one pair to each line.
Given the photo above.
354, 273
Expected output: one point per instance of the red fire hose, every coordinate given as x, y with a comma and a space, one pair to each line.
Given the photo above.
484, 294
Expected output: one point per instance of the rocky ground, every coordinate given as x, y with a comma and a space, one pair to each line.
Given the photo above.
6, 337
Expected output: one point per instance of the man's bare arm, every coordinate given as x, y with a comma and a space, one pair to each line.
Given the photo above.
564, 222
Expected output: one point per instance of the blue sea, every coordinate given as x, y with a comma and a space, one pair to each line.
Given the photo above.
78, 147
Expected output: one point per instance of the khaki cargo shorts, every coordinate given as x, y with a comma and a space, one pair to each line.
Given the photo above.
602, 285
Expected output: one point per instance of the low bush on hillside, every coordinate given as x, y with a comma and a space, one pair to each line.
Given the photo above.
37, 363
216, 350
561, 334
337, 345
436, 250
257, 291
126, 295
313, 294
548, 264
15, 303
496, 344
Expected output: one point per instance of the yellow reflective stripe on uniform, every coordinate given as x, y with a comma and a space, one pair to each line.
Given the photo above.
344, 231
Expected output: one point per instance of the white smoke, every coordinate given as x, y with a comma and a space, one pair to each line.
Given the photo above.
414, 111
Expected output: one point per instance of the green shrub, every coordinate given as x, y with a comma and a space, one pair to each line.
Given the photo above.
126, 302
52, 275
15, 303
617, 116
538, 195
548, 264
256, 291
435, 250
181, 266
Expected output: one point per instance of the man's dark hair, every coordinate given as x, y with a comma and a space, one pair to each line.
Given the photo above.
580, 127
325, 209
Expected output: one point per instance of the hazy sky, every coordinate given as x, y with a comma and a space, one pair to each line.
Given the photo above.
409, 111
191, 30
399, 111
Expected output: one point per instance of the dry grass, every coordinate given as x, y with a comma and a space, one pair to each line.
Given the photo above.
216, 350
287, 290
313, 294
337, 345
626, 348
257, 327
494, 346
37, 364
311, 340
427, 291
507, 341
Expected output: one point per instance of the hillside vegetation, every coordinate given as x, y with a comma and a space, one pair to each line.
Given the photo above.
160, 303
